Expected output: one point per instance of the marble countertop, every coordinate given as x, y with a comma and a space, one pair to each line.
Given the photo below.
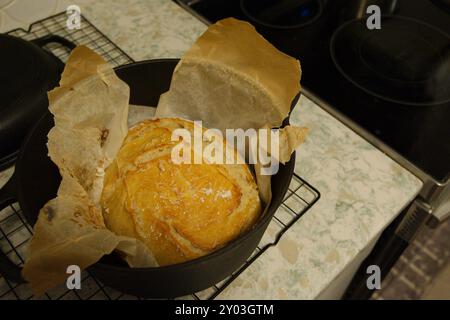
362, 190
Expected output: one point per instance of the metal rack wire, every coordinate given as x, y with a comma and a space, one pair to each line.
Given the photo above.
87, 35
15, 232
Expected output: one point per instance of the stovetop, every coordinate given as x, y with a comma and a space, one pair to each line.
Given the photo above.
394, 82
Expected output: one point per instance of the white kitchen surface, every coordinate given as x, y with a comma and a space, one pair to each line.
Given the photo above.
362, 190
19, 13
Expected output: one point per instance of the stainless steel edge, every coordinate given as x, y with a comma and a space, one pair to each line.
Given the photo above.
374, 140
431, 190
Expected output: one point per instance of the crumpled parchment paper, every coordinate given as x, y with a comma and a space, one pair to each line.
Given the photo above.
90, 109
233, 78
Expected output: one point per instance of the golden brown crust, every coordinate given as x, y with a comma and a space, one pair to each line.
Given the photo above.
179, 211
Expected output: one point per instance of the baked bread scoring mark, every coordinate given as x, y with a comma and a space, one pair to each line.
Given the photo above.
180, 211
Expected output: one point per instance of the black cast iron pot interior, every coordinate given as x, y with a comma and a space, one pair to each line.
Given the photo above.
36, 181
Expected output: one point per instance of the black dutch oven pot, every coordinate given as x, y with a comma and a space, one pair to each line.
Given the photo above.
36, 180
27, 72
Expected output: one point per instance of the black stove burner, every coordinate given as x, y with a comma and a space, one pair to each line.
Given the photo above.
282, 14
406, 61
444, 4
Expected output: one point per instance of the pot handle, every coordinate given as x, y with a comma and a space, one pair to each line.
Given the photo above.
52, 38
8, 196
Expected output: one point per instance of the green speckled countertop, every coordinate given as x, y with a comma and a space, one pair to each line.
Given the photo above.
362, 190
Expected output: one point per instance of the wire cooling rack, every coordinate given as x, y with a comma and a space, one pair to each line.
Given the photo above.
87, 35
15, 232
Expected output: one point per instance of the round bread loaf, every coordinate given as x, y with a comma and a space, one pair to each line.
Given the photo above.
180, 211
